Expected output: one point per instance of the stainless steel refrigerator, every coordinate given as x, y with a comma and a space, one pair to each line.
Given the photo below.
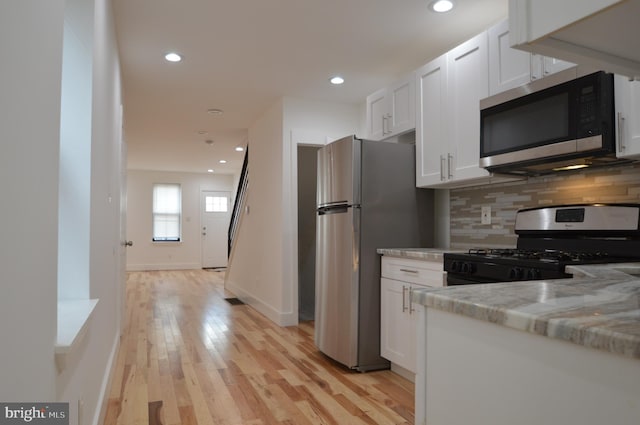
367, 199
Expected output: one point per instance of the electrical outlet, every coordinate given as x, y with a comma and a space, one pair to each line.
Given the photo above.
485, 215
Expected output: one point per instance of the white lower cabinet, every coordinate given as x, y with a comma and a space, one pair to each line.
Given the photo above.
400, 277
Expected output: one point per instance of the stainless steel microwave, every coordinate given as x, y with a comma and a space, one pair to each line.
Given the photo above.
556, 123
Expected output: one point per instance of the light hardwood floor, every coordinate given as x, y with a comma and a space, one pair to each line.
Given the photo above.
209, 362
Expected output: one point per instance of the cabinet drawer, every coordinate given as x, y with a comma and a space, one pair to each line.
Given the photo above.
425, 273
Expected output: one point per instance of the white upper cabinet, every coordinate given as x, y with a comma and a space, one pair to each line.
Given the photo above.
432, 149
543, 66
449, 90
510, 68
600, 33
467, 83
391, 111
376, 115
627, 98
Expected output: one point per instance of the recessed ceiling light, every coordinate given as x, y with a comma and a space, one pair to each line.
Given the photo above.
202, 132
215, 111
337, 80
210, 170
222, 161
239, 149
441, 6
173, 57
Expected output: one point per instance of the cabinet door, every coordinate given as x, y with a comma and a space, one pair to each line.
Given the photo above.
627, 97
431, 137
402, 106
376, 112
553, 65
543, 66
397, 326
467, 83
508, 67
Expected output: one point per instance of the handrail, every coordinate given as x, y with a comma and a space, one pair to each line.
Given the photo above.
240, 195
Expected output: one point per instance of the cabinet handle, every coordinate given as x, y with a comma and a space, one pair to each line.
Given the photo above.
621, 122
409, 271
386, 129
411, 309
442, 165
404, 304
449, 165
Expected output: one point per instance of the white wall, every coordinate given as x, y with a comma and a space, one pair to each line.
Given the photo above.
263, 270
31, 34
147, 255
255, 270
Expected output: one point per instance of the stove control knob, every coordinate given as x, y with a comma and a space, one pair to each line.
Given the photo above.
516, 273
455, 266
468, 268
534, 274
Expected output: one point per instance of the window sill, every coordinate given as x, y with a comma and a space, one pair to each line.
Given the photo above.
73, 318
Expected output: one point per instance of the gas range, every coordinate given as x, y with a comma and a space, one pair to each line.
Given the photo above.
549, 240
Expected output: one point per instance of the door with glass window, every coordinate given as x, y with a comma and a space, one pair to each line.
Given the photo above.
215, 215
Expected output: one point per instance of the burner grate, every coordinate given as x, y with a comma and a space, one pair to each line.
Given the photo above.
542, 255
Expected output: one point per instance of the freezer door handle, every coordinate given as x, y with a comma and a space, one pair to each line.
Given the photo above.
333, 210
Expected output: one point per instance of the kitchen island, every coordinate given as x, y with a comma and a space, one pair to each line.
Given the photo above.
538, 352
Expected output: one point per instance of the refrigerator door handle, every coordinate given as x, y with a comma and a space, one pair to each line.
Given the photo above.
336, 209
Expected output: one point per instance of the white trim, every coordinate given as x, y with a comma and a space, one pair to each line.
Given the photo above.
290, 246
163, 266
103, 397
278, 317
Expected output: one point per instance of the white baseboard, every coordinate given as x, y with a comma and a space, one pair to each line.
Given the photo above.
103, 397
278, 317
164, 266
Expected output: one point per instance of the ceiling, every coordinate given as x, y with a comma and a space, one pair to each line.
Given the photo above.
240, 56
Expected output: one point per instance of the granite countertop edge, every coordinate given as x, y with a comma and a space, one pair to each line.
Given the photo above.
429, 254
599, 308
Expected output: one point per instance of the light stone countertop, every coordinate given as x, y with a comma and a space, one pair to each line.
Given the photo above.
428, 254
599, 308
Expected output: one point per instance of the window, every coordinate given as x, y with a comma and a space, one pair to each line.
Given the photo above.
216, 204
167, 208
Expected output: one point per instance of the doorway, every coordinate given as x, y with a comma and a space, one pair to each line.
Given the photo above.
307, 181
214, 218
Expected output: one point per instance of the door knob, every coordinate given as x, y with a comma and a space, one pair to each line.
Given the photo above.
128, 243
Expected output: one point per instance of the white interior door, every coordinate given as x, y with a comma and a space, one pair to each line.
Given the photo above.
215, 215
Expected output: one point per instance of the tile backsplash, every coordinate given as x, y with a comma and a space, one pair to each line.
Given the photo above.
613, 185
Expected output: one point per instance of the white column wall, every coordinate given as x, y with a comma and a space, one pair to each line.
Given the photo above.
255, 271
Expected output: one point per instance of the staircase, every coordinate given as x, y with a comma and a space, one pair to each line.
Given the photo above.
241, 193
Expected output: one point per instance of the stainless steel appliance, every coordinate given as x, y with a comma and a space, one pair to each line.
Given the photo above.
559, 122
367, 199
551, 238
